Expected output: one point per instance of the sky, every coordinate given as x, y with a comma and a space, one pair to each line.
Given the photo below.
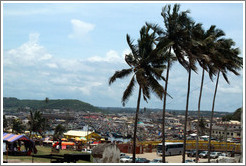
70, 50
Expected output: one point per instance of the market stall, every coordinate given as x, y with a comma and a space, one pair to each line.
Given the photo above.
13, 144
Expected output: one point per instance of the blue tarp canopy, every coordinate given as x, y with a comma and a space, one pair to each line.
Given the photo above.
13, 137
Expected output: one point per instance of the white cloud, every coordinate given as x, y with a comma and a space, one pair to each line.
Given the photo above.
111, 57
87, 88
28, 54
80, 29
45, 57
74, 65
230, 90
52, 65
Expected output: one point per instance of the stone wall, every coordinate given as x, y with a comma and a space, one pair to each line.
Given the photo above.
106, 153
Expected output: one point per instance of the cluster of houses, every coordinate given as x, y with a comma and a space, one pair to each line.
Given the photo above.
94, 128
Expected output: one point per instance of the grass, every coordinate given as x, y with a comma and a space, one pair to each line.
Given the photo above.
42, 150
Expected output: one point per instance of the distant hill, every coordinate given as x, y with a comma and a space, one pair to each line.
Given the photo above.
14, 103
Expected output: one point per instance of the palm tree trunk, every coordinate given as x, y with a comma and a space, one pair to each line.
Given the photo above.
226, 137
164, 114
212, 116
186, 115
198, 117
135, 128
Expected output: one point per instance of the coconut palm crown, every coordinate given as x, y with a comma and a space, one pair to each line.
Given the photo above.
146, 65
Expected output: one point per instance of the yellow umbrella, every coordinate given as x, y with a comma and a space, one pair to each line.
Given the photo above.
77, 139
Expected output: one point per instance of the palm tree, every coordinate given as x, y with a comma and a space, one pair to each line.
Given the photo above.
225, 59
204, 43
47, 100
146, 65
164, 48
5, 123
188, 61
17, 126
175, 36
59, 130
37, 123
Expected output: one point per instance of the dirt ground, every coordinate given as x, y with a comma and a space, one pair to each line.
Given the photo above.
169, 159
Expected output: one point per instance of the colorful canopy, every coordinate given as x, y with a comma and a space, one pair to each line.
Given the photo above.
13, 137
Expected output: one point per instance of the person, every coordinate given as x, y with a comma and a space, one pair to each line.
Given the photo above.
26, 145
57, 147
15, 146
60, 143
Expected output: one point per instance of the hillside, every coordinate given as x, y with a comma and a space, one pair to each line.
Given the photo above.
15, 103
237, 115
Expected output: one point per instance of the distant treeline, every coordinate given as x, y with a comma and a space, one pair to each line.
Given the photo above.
172, 111
14, 103
234, 116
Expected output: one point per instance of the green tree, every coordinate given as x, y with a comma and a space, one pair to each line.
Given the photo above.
234, 116
225, 59
17, 126
146, 65
47, 100
38, 124
202, 126
58, 133
5, 122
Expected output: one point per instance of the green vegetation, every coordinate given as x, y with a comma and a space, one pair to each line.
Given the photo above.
234, 116
15, 103
17, 126
59, 130
38, 124
42, 150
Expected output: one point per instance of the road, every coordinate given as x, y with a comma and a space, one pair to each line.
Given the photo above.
169, 159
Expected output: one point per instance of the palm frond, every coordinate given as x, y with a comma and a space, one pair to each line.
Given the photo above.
146, 93
141, 78
155, 27
225, 77
157, 72
156, 87
120, 74
132, 46
128, 91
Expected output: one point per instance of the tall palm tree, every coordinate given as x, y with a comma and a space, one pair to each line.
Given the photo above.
164, 48
146, 66
176, 33
190, 54
225, 59
203, 47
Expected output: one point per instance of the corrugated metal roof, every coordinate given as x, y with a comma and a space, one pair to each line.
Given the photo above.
77, 133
